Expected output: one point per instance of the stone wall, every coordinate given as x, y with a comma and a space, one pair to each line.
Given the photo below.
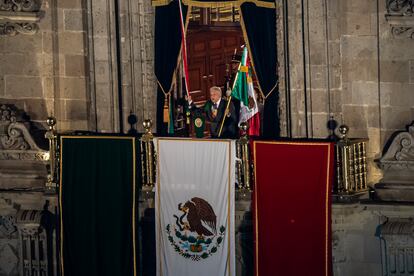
44, 73
136, 55
363, 243
356, 70
69, 68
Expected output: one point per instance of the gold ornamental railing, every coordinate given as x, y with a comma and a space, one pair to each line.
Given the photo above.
148, 157
351, 164
51, 135
243, 164
350, 161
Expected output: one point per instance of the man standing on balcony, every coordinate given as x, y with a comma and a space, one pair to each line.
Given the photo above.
215, 110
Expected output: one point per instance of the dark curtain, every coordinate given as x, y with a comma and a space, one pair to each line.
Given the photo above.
96, 197
167, 48
260, 26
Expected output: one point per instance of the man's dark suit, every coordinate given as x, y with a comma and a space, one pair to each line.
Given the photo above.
230, 124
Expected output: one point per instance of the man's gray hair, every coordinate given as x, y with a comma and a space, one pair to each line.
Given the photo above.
216, 88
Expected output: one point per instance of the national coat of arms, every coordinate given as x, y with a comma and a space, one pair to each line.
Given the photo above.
194, 235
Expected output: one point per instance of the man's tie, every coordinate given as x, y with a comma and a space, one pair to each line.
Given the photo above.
214, 113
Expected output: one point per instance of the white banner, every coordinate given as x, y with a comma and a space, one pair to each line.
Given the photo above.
194, 207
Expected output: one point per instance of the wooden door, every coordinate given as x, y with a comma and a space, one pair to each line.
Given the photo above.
209, 56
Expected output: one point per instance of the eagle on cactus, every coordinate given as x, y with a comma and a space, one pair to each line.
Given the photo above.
200, 216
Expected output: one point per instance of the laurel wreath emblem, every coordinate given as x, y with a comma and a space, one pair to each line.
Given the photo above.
194, 248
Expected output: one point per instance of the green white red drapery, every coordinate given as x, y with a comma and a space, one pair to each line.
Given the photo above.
194, 207
243, 90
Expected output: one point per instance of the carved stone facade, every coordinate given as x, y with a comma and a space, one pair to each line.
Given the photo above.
397, 165
397, 236
22, 162
26, 227
400, 16
348, 62
371, 239
19, 17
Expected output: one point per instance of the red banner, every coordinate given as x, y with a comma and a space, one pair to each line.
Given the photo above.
292, 208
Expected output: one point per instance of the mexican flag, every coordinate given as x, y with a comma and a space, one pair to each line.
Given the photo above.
243, 90
194, 207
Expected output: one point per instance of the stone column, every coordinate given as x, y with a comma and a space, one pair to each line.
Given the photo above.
136, 27
313, 56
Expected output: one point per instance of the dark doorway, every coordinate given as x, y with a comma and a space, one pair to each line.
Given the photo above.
213, 35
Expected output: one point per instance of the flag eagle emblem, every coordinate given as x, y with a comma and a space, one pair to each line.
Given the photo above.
194, 234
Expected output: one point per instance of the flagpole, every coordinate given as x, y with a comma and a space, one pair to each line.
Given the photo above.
184, 49
228, 102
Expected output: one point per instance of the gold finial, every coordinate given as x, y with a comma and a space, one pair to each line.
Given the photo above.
147, 124
51, 122
244, 126
343, 131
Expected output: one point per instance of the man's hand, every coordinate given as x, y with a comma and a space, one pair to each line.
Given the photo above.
228, 114
188, 98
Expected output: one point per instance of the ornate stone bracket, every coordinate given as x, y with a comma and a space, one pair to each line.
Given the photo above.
400, 16
398, 168
22, 161
16, 143
19, 16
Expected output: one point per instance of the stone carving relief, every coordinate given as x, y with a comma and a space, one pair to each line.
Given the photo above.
18, 16
400, 7
16, 143
398, 168
400, 154
398, 239
25, 239
22, 161
20, 5
400, 151
14, 28
400, 15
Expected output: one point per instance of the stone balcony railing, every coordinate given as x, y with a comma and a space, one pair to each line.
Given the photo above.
369, 237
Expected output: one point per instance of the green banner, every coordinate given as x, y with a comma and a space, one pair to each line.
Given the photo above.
97, 206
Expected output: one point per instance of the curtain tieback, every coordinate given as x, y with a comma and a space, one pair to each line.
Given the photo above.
271, 90
166, 108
